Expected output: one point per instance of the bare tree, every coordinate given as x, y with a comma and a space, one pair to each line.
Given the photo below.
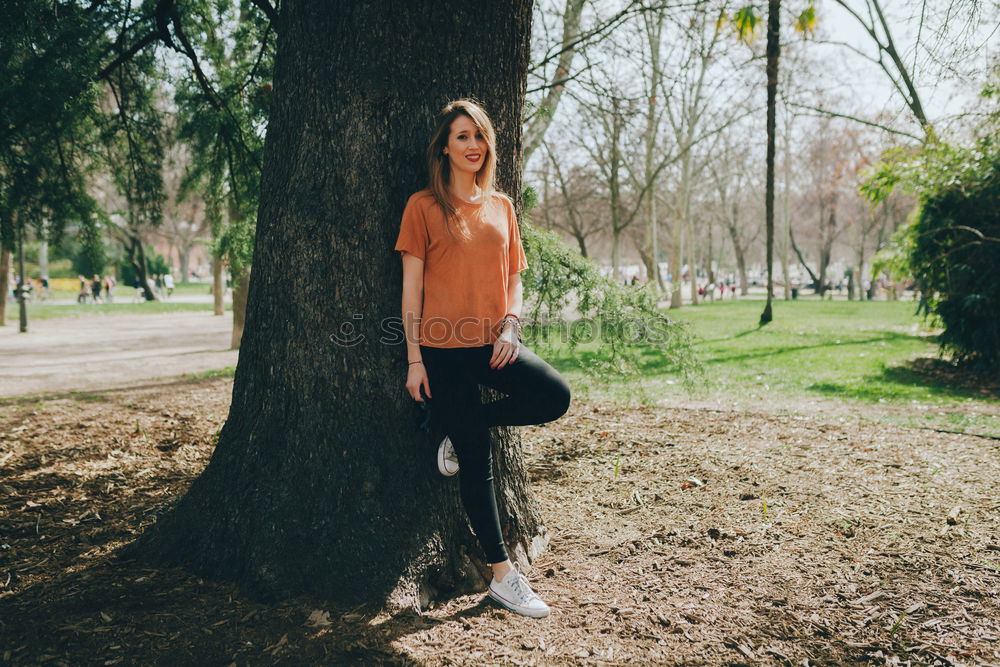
697, 106
572, 210
184, 221
735, 189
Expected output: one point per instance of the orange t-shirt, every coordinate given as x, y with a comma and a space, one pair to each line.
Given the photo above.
465, 275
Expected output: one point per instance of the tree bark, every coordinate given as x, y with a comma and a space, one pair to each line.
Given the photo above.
773, 51
320, 481
184, 256
43, 253
802, 259
676, 272
5, 277
218, 286
692, 262
22, 280
137, 258
241, 285
739, 251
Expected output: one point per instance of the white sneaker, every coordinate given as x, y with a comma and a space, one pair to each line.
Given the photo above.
447, 459
515, 594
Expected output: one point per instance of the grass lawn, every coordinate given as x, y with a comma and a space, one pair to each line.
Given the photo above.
847, 350
125, 291
44, 311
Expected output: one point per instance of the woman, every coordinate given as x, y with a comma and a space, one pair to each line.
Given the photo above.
462, 258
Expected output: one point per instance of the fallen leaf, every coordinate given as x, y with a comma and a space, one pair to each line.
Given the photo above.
319, 619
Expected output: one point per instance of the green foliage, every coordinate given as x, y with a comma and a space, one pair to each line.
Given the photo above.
155, 263
956, 258
91, 256
225, 125
625, 321
952, 246
47, 102
805, 22
745, 21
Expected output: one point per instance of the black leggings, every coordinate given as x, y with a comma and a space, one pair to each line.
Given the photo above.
536, 394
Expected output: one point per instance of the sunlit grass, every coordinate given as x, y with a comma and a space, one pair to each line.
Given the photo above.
44, 311
836, 349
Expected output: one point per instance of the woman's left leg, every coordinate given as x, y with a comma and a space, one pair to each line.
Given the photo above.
536, 392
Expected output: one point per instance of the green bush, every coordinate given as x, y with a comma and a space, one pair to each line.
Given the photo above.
155, 263
956, 257
951, 248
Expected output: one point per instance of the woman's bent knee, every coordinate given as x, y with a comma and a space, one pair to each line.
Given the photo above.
559, 399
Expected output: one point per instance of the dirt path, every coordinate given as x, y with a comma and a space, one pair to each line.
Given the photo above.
679, 534
104, 351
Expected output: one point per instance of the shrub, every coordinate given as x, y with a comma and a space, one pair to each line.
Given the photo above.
952, 245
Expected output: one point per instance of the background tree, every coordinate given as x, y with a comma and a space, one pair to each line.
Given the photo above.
47, 102
222, 112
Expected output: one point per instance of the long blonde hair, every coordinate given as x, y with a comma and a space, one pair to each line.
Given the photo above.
439, 166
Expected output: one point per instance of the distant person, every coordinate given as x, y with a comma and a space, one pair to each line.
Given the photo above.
44, 292
95, 288
109, 288
24, 289
83, 296
168, 283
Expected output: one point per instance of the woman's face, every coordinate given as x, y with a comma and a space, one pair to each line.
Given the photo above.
466, 149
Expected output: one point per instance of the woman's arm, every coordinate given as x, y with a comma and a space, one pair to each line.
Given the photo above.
413, 303
506, 344
515, 294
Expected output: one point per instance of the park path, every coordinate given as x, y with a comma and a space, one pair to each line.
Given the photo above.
109, 351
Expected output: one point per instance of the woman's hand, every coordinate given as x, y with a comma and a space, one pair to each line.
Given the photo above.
505, 347
416, 377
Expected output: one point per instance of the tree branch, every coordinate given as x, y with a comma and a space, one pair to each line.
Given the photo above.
125, 56
834, 114
269, 11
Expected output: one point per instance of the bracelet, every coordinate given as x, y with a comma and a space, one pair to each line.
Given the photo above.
415, 362
513, 319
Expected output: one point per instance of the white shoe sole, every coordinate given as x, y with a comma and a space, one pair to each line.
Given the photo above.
443, 463
517, 609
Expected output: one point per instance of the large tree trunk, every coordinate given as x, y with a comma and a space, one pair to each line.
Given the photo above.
320, 481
